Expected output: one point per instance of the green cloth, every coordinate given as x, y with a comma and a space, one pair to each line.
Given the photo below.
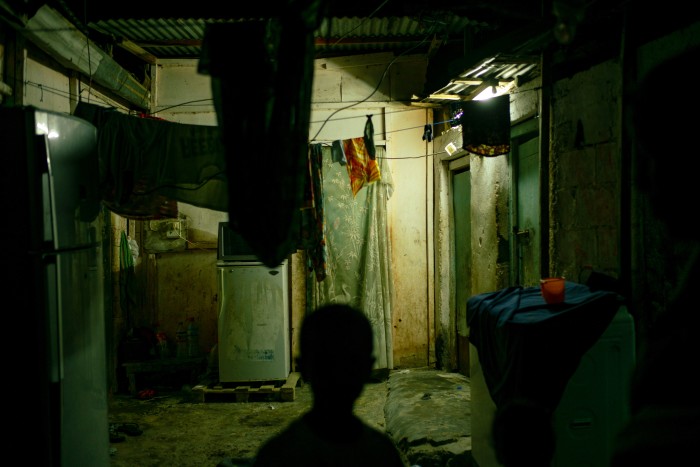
127, 279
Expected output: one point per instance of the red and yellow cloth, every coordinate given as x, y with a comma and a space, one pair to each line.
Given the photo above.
361, 168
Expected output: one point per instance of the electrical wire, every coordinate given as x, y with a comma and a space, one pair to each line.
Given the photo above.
182, 104
67, 95
386, 70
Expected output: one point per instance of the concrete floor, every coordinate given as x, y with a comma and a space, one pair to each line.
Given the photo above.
428, 414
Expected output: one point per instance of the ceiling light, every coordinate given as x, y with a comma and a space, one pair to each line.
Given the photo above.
493, 91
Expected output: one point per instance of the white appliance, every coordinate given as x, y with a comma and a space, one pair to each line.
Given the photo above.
54, 260
254, 340
595, 403
593, 408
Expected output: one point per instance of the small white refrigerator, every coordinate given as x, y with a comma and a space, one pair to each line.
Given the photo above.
254, 340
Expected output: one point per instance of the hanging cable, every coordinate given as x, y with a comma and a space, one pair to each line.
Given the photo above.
386, 70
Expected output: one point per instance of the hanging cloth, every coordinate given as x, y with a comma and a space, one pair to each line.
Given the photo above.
265, 198
313, 232
486, 126
428, 133
361, 168
127, 280
338, 153
515, 332
369, 138
149, 164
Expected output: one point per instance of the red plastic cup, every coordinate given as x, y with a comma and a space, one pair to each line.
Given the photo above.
553, 289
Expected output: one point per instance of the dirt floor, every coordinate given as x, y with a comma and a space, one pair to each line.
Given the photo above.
178, 429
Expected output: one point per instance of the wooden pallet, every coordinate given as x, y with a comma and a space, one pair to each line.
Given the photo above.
250, 392
190, 366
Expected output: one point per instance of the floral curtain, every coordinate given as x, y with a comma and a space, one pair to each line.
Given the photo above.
358, 249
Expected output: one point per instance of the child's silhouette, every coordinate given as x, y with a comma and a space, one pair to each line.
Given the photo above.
336, 359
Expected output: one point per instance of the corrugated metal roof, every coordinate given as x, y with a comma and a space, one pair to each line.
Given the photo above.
338, 35
471, 43
135, 32
168, 38
182, 37
159, 37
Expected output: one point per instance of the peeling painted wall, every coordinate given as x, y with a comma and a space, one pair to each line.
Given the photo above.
489, 208
410, 221
338, 86
187, 287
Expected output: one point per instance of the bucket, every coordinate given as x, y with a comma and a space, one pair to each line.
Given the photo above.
553, 289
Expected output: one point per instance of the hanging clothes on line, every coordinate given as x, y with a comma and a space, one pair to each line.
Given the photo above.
338, 153
428, 133
149, 164
369, 138
265, 199
313, 238
361, 168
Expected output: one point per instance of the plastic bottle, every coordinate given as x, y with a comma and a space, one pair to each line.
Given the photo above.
192, 339
162, 341
155, 348
163, 349
181, 340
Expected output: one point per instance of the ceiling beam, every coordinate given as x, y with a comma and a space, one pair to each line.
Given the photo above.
56, 36
138, 51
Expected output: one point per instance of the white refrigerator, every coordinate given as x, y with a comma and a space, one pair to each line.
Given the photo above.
55, 343
254, 340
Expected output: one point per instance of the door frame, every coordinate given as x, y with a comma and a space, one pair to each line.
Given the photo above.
446, 342
463, 283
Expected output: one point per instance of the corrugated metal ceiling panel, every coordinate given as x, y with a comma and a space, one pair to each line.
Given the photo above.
181, 38
169, 38
504, 38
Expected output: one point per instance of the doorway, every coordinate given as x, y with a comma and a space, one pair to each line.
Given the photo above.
525, 214
461, 215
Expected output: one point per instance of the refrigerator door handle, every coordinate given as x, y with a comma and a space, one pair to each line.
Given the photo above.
53, 322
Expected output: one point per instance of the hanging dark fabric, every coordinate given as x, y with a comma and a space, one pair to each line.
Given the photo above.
338, 152
313, 232
428, 133
369, 138
486, 126
127, 281
149, 164
529, 349
264, 119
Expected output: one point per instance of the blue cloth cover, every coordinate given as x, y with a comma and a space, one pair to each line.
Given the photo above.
530, 349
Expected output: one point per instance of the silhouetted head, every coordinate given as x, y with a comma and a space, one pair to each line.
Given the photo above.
336, 345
